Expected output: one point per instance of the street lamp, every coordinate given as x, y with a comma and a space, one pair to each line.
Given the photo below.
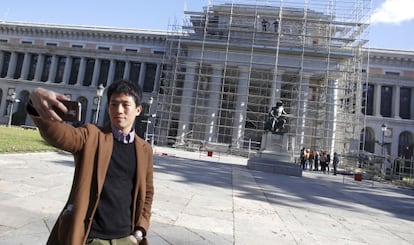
383, 129
12, 99
150, 101
99, 93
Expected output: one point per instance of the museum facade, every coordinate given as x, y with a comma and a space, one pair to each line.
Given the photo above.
214, 78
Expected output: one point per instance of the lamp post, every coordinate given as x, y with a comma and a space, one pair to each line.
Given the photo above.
12, 99
383, 129
152, 129
150, 101
99, 93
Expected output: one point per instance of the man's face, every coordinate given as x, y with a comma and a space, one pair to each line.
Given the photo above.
122, 111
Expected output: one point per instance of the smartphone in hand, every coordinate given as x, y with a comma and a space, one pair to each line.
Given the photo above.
74, 111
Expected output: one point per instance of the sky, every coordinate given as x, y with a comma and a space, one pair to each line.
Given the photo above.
392, 21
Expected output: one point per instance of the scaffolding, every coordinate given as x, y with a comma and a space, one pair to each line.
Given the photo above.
227, 65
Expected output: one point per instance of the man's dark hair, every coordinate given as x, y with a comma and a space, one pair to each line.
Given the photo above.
125, 87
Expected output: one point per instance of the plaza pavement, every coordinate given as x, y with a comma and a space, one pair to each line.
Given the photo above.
217, 200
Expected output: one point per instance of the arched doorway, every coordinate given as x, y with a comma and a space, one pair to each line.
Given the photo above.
84, 109
20, 115
367, 140
405, 145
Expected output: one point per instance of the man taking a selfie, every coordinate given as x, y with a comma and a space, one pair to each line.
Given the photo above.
112, 191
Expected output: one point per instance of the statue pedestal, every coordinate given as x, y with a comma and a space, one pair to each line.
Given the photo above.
274, 157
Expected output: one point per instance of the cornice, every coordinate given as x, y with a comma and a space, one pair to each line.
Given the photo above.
389, 56
392, 61
392, 58
80, 32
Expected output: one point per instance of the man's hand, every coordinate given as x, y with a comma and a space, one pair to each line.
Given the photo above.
138, 235
44, 101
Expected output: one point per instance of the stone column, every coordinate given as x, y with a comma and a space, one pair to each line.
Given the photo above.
303, 106
26, 66
81, 73
142, 74
1, 59
66, 72
53, 67
111, 72
157, 78
39, 67
95, 76
396, 102
12, 65
412, 105
214, 104
127, 70
276, 89
377, 100
330, 124
186, 102
241, 105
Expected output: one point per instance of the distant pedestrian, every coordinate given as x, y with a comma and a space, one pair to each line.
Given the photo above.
323, 160
335, 163
276, 25
311, 159
316, 161
302, 158
328, 161
264, 25
307, 159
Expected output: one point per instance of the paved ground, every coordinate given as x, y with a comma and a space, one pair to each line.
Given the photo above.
217, 200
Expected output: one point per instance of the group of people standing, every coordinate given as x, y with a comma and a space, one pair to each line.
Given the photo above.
317, 161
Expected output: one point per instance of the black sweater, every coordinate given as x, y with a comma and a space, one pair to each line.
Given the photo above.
113, 217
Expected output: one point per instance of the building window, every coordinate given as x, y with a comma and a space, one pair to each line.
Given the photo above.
132, 50
386, 101
32, 66
74, 71
6, 61
119, 70
103, 73
4, 41
27, 42
46, 68
405, 103
60, 69
103, 48
90, 64
51, 44
392, 73
19, 66
77, 46
405, 145
149, 77
134, 72
368, 99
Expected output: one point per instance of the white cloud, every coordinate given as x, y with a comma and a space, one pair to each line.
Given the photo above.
394, 12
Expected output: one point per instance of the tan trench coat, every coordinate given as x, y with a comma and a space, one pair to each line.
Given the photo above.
92, 149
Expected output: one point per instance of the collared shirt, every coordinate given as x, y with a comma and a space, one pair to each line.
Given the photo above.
122, 137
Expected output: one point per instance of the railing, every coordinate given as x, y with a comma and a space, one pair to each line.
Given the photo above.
384, 168
402, 171
193, 145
